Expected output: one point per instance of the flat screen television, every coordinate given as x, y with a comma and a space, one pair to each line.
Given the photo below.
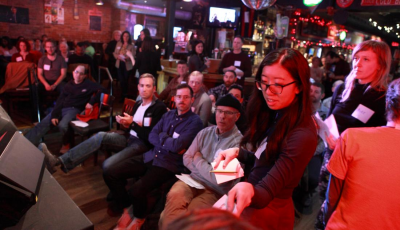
223, 17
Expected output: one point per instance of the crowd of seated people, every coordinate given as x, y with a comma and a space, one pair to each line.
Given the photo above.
273, 134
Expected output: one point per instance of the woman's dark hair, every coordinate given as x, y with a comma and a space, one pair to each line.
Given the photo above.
122, 37
261, 116
194, 44
209, 219
28, 46
146, 32
393, 101
147, 44
9, 45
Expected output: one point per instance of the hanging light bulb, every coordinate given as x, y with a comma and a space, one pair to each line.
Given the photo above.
99, 2
258, 4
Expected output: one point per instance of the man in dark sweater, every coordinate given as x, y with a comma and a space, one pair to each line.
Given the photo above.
237, 61
79, 57
75, 97
145, 115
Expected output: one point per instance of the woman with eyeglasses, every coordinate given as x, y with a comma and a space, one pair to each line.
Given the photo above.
279, 143
359, 102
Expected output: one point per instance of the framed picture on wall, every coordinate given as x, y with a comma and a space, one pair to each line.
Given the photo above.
155, 26
95, 23
13, 14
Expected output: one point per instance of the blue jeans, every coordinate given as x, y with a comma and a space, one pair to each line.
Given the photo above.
114, 141
67, 114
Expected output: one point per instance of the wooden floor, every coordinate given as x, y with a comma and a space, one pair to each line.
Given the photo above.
87, 189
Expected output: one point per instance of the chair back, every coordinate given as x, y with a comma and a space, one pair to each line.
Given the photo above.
171, 104
128, 106
18, 75
107, 101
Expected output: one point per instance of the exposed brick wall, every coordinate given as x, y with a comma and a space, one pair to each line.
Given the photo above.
72, 29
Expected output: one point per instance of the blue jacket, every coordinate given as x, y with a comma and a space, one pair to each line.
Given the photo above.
171, 137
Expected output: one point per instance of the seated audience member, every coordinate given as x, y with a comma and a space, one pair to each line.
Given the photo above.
197, 60
6, 48
357, 198
327, 101
23, 54
182, 78
182, 197
64, 51
36, 54
241, 123
75, 97
209, 219
220, 91
202, 103
145, 115
39, 46
88, 49
171, 137
303, 193
80, 57
52, 68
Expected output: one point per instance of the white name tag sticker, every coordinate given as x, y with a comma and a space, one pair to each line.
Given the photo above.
66, 59
362, 113
183, 82
146, 121
46, 67
175, 135
133, 133
118, 47
193, 109
19, 59
237, 63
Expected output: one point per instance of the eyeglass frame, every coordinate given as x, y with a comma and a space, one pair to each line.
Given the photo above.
226, 113
267, 86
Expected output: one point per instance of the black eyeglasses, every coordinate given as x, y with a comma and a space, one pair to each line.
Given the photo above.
274, 88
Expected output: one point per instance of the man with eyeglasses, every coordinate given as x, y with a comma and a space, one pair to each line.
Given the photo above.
52, 68
221, 90
78, 94
202, 102
171, 137
206, 146
237, 61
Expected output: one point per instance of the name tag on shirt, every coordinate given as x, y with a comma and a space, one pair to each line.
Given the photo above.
133, 133
193, 109
19, 59
237, 63
146, 121
118, 47
175, 135
66, 59
183, 82
46, 67
362, 113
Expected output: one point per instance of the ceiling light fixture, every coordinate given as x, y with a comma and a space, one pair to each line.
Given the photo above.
187, 0
99, 2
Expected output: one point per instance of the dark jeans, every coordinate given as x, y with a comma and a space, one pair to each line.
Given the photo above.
151, 177
123, 77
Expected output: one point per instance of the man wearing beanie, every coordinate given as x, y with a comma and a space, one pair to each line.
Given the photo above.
206, 146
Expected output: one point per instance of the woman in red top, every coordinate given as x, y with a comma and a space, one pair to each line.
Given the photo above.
23, 54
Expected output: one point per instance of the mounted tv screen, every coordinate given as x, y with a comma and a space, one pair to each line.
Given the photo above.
222, 17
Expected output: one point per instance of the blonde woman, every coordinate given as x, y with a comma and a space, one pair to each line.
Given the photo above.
360, 101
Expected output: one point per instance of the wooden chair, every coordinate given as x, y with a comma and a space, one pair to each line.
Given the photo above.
97, 125
21, 85
126, 108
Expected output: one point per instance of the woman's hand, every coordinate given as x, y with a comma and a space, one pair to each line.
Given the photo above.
227, 155
331, 141
242, 193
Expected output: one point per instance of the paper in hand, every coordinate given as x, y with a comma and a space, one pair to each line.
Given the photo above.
223, 175
222, 204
